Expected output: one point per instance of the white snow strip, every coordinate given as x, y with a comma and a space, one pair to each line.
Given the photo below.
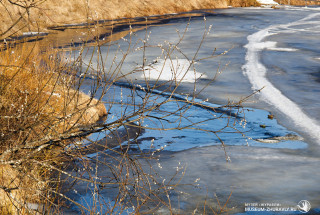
271, 45
172, 70
33, 33
54, 94
265, 45
282, 49
256, 73
267, 2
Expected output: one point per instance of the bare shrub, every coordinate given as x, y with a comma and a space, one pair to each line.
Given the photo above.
58, 154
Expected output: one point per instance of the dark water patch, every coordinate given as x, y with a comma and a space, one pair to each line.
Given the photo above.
316, 76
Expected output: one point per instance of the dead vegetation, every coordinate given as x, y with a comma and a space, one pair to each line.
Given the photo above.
298, 2
35, 86
37, 102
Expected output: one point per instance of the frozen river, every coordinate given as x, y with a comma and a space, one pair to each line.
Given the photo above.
275, 52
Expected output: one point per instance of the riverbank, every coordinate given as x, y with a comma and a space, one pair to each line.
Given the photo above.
18, 17
38, 17
26, 18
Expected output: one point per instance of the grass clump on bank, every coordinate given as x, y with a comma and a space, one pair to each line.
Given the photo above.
36, 87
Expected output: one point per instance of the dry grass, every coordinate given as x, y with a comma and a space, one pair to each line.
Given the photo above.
36, 102
49, 12
35, 87
297, 2
243, 3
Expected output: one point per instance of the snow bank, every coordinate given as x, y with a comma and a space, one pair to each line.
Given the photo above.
267, 2
172, 69
271, 45
256, 73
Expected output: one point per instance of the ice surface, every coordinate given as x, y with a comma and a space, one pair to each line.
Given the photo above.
254, 175
172, 69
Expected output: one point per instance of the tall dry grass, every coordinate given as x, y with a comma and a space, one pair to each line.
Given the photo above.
37, 102
35, 87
